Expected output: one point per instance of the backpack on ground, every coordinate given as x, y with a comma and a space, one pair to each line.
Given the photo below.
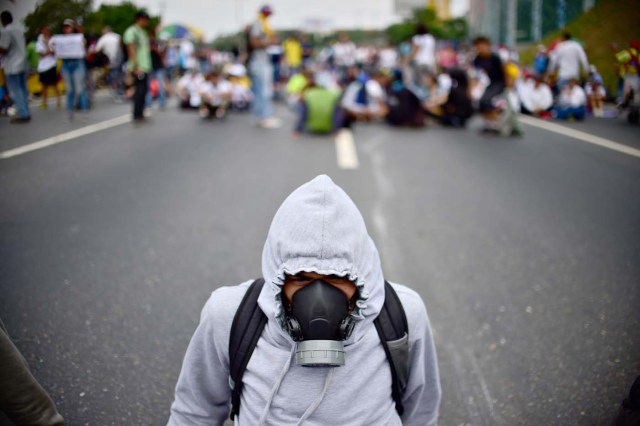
249, 321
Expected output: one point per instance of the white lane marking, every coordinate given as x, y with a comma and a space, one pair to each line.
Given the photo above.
583, 136
346, 150
64, 137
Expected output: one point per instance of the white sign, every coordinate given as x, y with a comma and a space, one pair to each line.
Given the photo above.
68, 46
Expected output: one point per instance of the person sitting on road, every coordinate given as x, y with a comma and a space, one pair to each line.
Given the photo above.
188, 88
489, 64
364, 98
451, 103
323, 292
571, 103
215, 93
404, 106
318, 109
241, 95
536, 96
596, 94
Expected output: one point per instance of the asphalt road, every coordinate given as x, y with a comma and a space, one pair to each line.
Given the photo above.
526, 252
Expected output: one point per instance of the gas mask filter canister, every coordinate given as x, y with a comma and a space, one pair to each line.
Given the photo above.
319, 321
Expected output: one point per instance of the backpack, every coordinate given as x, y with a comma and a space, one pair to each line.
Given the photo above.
249, 321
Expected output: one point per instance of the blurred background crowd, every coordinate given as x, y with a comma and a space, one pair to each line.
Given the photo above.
426, 69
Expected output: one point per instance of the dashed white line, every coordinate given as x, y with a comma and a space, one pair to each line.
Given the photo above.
64, 137
346, 150
583, 136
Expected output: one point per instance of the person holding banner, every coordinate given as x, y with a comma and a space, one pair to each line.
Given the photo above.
69, 47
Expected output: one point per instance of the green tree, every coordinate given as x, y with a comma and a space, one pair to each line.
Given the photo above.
52, 13
118, 16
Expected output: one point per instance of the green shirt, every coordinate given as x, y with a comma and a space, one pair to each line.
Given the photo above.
321, 106
140, 39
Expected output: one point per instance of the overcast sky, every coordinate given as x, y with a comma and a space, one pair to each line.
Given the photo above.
216, 17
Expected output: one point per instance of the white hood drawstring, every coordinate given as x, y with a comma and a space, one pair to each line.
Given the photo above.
274, 391
316, 402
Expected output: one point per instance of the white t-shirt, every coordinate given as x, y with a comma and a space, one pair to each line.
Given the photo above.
375, 97
388, 58
111, 45
426, 53
572, 97
568, 57
535, 98
48, 61
14, 60
213, 93
344, 54
191, 83
600, 91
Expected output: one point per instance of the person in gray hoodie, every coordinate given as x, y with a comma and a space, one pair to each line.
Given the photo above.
317, 232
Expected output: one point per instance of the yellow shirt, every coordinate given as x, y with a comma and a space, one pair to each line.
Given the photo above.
292, 52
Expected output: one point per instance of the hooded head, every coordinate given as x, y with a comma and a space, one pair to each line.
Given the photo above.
319, 229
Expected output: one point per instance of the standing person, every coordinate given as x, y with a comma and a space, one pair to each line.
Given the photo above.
47, 67
344, 54
569, 60
261, 36
424, 52
323, 289
69, 47
139, 65
293, 54
12, 46
158, 72
110, 44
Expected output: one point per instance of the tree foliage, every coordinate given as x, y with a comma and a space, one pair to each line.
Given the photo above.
449, 29
52, 12
117, 16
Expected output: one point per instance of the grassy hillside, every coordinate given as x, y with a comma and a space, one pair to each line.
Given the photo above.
610, 21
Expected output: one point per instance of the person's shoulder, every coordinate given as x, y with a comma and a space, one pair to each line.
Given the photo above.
128, 33
223, 303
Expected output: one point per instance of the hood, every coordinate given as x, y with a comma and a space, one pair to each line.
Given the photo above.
319, 229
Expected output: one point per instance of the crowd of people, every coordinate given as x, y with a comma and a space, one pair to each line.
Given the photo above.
329, 87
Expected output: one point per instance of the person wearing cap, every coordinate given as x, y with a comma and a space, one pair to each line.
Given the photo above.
12, 46
70, 47
260, 37
321, 268
139, 65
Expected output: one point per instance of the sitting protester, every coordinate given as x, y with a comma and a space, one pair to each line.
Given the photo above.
188, 90
318, 110
596, 94
571, 102
241, 95
536, 97
364, 99
404, 106
215, 93
456, 108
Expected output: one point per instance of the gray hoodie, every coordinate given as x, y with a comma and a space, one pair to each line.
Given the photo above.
317, 229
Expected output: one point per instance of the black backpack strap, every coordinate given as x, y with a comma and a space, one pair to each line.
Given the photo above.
393, 330
246, 329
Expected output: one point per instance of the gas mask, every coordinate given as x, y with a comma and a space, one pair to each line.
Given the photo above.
318, 320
